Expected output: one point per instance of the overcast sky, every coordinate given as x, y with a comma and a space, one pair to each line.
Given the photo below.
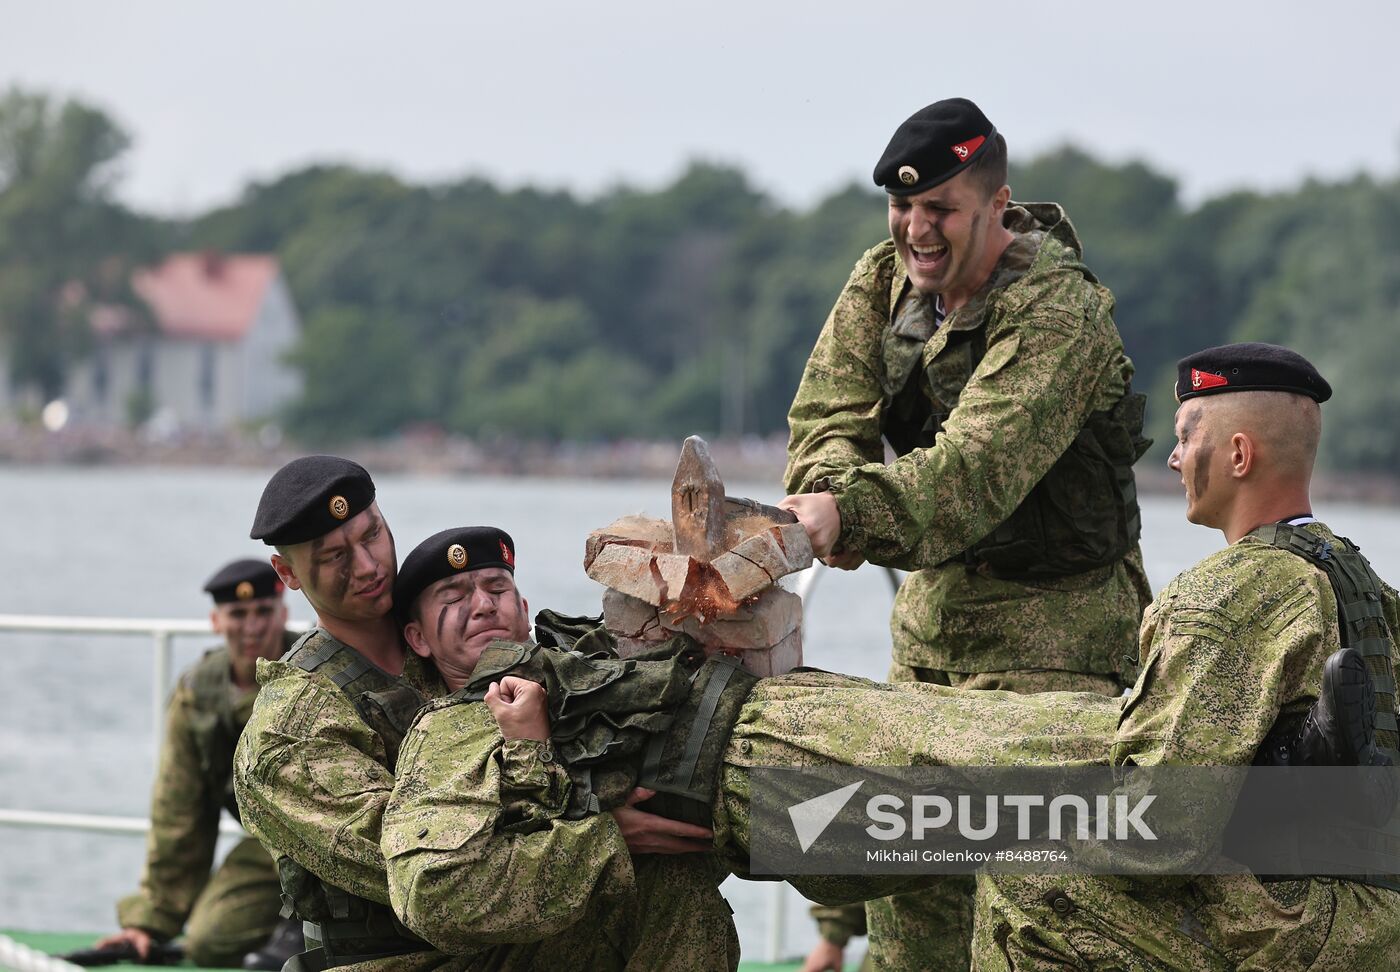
803, 96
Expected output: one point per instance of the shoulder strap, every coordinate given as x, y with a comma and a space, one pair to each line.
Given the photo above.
1360, 614
380, 699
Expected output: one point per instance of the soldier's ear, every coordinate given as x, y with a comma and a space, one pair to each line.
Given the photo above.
413, 634
286, 573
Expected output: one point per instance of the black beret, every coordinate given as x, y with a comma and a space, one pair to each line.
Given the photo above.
243, 580
932, 146
1248, 367
309, 497
450, 552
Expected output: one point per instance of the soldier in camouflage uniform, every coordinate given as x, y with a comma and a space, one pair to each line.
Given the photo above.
977, 343
653, 910
232, 911
315, 765
1233, 655
1233, 651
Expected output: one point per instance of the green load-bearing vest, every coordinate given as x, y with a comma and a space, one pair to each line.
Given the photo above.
660, 719
214, 724
343, 928
1082, 515
1362, 626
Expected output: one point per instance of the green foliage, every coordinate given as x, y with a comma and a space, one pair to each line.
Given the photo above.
64, 245
527, 314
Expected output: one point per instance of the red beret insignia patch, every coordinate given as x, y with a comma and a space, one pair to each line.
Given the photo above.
964, 150
506, 553
1204, 379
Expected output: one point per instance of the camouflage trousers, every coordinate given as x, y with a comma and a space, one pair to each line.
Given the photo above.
1212, 923
932, 928
1043, 922
817, 718
676, 921
237, 909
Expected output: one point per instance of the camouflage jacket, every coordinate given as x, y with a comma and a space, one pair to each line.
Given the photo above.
1053, 357
1228, 647
312, 778
475, 839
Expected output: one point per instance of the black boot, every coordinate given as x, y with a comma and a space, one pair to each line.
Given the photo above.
1340, 726
285, 941
1340, 730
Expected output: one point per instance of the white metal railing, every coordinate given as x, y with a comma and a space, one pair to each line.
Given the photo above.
162, 632
93, 823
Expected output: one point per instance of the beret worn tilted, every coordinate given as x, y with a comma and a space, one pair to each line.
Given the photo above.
933, 145
309, 497
243, 580
449, 552
1248, 367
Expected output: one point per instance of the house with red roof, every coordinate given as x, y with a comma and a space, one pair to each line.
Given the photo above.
215, 357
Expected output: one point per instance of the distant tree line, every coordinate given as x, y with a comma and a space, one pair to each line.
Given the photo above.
540, 315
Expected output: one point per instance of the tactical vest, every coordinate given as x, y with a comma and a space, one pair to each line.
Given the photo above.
1362, 626
343, 928
214, 725
1082, 515
1360, 614
660, 720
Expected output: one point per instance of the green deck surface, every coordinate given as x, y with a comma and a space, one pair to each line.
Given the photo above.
57, 942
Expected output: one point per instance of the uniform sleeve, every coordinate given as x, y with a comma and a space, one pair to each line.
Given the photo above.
311, 783
477, 849
1232, 644
1221, 666
184, 832
834, 420
1028, 398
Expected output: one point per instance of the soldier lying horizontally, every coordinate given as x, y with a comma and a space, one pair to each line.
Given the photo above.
1231, 649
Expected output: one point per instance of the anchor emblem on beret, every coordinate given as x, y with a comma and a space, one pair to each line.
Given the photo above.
457, 556
340, 508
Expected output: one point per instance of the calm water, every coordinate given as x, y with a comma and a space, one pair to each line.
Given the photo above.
75, 723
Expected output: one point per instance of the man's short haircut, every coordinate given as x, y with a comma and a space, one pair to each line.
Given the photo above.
988, 169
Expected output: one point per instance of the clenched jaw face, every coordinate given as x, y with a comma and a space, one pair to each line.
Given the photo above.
456, 617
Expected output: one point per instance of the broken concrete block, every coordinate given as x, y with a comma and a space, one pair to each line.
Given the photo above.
674, 571
632, 531
757, 624
778, 660
626, 569
631, 617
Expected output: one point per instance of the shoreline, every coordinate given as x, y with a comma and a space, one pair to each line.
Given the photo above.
749, 459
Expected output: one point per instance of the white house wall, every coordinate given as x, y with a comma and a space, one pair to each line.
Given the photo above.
269, 384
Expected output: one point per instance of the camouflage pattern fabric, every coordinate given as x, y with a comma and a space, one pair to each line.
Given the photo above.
312, 778
1228, 647
233, 911
1053, 358
932, 928
478, 854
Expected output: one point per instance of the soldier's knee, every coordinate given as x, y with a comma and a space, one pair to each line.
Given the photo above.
209, 951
